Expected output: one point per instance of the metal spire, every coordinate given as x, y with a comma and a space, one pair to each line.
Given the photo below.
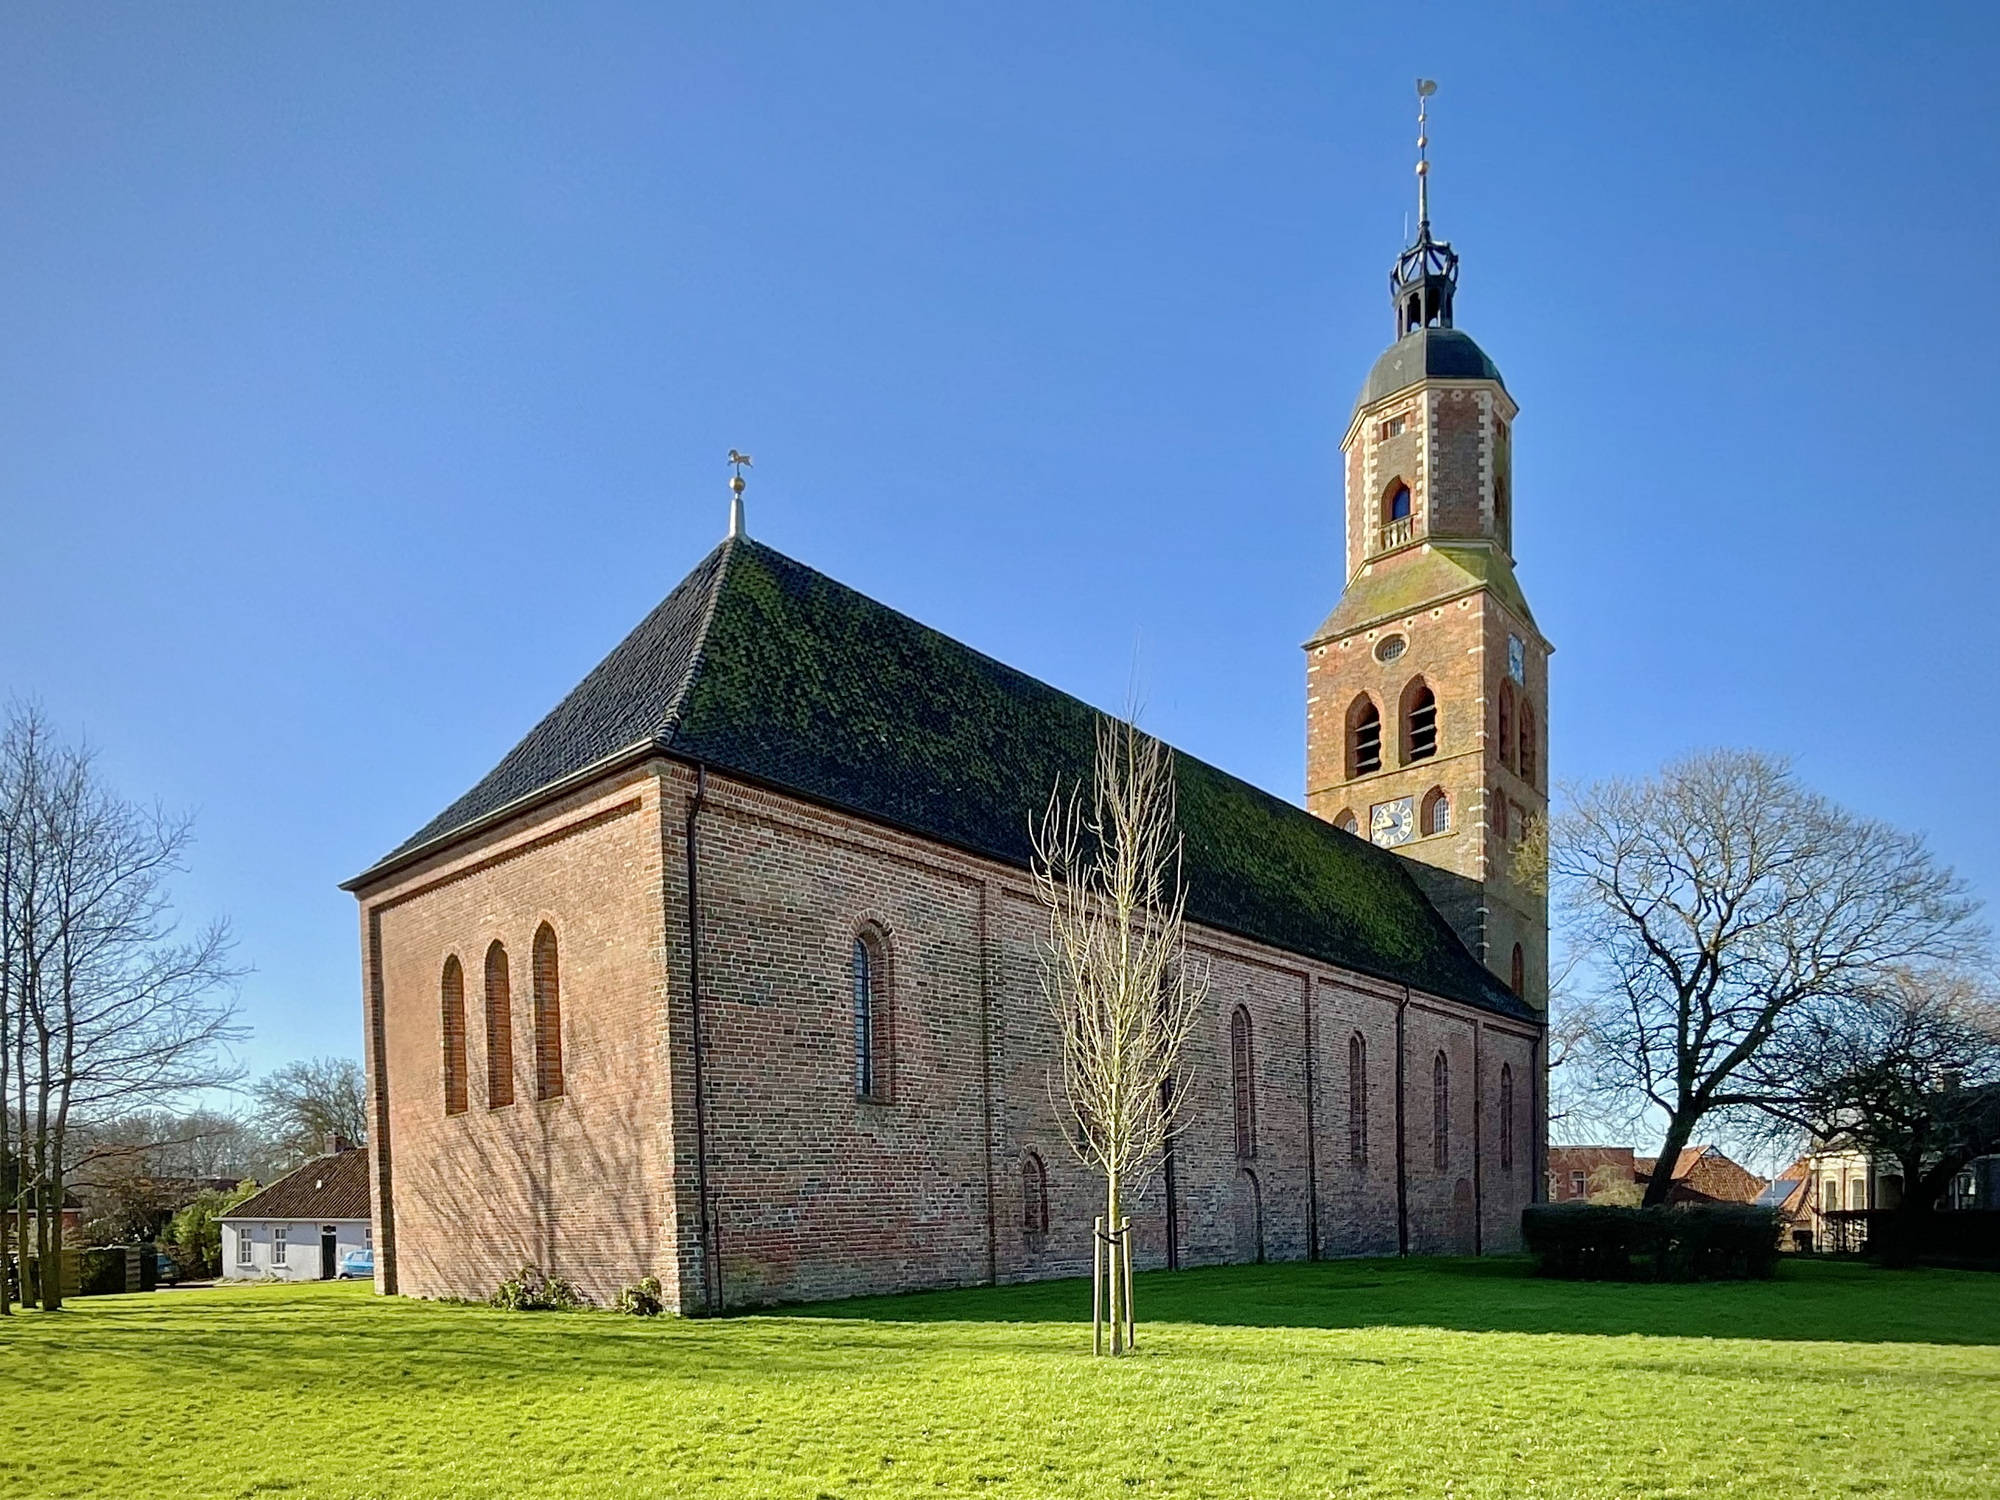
1425, 88
739, 462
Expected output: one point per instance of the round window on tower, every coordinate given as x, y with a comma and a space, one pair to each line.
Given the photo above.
1391, 647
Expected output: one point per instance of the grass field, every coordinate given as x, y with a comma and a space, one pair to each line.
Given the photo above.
1370, 1378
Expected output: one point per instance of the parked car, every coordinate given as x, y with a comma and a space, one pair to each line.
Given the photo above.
166, 1271
357, 1265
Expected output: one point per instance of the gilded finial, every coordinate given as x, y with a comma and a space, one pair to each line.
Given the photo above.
739, 462
1425, 88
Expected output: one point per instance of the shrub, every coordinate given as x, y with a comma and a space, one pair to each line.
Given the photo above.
643, 1298
101, 1270
533, 1290
1696, 1242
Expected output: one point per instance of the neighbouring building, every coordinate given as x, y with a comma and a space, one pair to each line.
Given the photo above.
303, 1225
1576, 1171
1702, 1174
730, 971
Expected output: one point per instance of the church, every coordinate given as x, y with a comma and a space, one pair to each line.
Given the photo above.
729, 972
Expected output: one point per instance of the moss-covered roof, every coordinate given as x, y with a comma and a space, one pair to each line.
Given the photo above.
759, 666
1420, 578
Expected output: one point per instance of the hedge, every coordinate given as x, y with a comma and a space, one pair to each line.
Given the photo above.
1692, 1242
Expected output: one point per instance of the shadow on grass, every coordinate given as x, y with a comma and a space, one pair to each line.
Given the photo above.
1808, 1301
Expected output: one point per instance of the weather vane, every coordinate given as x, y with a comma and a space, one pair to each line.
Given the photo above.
1425, 88
739, 462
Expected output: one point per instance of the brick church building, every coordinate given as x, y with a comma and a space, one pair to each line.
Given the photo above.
728, 973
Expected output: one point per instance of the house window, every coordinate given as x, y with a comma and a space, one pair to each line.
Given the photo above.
452, 1004
871, 1018
1357, 1100
1506, 1118
1420, 722
1829, 1199
246, 1249
1398, 506
499, 1030
1437, 812
1440, 1112
1243, 1083
1364, 737
1034, 1195
1579, 1185
1394, 427
1506, 726
548, 1016
277, 1244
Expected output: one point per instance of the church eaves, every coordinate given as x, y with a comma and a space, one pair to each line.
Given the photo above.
760, 667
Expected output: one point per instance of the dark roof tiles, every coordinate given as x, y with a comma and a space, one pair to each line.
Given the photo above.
759, 666
327, 1187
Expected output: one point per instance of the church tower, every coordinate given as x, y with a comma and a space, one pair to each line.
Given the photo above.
1427, 687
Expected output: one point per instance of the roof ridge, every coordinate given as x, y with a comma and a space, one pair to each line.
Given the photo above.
670, 722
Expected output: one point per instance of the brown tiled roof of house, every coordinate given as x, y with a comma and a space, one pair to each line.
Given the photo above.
328, 1187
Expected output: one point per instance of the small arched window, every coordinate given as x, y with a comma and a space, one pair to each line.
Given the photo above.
1357, 1100
1347, 822
1364, 737
451, 995
1518, 972
871, 1017
1034, 1194
499, 1030
1506, 1117
1437, 811
1243, 1082
1440, 1112
1528, 742
1420, 721
1498, 817
1507, 725
1397, 506
548, 1017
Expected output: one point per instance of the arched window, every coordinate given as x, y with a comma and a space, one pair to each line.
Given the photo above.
871, 1017
1528, 742
1503, 512
1518, 972
1364, 737
1440, 1112
451, 994
1420, 721
548, 1017
1357, 1100
1506, 1117
1034, 1194
1347, 822
1507, 726
1243, 1082
1437, 811
1498, 817
499, 1030
1396, 505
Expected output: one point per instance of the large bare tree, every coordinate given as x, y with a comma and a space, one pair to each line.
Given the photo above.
108, 1008
1719, 902
1121, 985
303, 1107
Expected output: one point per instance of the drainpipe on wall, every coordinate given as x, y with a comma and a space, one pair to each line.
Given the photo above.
1478, 1155
1402, 1162
1312, 1158
711, 1270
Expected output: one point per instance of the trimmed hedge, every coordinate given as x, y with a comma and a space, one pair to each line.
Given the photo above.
1693, 1242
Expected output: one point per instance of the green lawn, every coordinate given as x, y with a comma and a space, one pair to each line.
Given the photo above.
1365, 1378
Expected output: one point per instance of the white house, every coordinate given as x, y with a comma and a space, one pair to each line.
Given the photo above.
304, 1225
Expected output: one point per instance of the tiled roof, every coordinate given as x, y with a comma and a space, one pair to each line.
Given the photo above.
759, 666
328, 1187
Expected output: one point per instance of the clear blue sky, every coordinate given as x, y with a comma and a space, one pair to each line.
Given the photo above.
366, 371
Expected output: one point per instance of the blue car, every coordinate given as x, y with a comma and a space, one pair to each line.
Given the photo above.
358, 1265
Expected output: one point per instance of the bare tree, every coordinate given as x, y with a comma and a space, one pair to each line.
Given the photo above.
1718, 903
304, 1107
109, 1009
1124, 992
1909, 1070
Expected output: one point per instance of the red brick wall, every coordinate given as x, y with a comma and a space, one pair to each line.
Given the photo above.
816, 1193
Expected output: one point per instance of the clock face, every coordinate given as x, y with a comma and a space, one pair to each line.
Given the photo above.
1517, 659
1392, 823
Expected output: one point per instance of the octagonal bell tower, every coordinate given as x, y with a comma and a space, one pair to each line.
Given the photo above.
1427, 687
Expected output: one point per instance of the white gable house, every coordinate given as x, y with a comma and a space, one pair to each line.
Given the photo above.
304, 1226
